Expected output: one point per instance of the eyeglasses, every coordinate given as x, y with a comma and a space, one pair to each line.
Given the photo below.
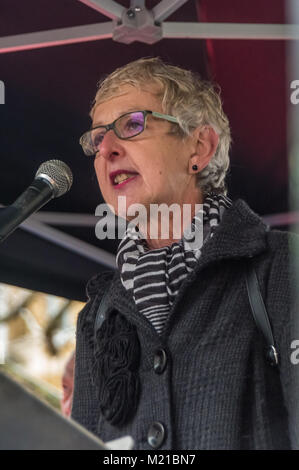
125, 127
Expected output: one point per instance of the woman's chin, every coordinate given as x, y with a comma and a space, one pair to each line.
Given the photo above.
129, 207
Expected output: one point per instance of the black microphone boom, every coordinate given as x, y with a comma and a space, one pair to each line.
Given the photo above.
53, 179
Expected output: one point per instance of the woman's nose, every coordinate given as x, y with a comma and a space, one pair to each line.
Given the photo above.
111, 146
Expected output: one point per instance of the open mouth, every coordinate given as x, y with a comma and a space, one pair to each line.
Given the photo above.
120, 177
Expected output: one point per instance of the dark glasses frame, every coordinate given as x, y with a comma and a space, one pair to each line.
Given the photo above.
85, 138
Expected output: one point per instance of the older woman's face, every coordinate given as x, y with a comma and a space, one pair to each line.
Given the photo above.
157, 160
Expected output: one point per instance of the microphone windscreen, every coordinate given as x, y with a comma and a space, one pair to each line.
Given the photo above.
59, 173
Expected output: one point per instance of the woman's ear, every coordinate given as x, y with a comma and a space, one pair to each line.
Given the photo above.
206, 143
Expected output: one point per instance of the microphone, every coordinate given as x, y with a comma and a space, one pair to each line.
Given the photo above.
53, 179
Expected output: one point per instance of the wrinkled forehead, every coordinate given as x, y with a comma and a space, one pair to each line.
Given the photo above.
116, 89
125, 99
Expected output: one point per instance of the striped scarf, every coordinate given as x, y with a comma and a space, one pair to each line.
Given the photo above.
155, 276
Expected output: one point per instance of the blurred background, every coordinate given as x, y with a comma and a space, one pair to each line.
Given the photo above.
37, 338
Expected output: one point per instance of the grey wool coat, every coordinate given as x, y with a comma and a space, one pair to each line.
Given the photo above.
214, 388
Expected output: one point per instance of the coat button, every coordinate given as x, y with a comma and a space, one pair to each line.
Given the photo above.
156, 435
160, 361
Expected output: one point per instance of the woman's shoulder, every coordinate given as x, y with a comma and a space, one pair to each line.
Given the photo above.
278, 241
282, 242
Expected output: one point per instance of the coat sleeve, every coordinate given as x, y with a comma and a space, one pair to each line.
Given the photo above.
282, 303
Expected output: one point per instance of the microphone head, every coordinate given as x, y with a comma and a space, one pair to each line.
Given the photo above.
58, 174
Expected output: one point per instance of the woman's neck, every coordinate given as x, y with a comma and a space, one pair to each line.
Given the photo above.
168, 226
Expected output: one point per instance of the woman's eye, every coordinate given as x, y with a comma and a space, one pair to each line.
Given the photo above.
133, 125
97, 139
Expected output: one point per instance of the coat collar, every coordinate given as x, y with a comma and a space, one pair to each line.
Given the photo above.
241, 234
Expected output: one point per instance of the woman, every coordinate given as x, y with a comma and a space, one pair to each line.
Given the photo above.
167, 348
